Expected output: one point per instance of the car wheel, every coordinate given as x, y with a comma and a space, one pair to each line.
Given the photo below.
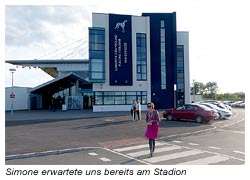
198, 119
220, 116
169, 117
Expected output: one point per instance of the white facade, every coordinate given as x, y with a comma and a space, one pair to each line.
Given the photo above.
196, 98
139, 25
21, 100
183, 39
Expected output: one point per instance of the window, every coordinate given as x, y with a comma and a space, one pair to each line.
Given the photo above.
108, 98
141, 57
97, 54
163, 55
98, 98
180, 75
162, 24
180, 68
119, 97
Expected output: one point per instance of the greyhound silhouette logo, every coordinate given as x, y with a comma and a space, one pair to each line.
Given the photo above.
121, 24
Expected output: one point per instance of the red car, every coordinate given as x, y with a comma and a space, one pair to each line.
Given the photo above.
197, 112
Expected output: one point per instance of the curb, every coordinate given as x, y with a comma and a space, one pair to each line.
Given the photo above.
47, 153
48, 120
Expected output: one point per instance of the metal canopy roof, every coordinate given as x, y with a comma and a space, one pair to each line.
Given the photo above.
58, 84
53, 66
47, 61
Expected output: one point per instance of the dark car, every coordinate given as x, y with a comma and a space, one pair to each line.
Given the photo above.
196, 112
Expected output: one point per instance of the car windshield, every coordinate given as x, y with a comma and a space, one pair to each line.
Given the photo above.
215, 107
212, 106
205, 107
180, 108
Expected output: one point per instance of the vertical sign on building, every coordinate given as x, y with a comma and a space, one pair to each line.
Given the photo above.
120, 50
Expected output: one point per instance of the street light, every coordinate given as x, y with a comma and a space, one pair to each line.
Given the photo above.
12, 72
174, 95
193, 90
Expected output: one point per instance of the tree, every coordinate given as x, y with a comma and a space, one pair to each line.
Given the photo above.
197, 88
210, 90
239, 96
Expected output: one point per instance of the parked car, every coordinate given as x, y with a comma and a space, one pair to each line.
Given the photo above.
223, 113
242, 104
194, 111
219, 104
238, 104
228, 107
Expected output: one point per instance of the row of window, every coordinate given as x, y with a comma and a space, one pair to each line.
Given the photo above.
180, 68
119, 97
163, 55
141, 56
96, 54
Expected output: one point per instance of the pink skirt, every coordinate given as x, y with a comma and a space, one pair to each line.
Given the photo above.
152, 131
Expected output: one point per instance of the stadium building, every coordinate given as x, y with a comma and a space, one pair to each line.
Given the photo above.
130, 58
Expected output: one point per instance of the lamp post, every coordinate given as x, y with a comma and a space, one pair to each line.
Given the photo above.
174, 95
12, 72
193, 90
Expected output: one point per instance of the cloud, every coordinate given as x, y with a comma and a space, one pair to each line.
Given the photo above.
26, 25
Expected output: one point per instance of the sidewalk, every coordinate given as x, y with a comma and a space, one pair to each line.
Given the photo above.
41, 116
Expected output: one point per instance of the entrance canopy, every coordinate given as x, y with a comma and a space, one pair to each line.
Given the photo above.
58, 84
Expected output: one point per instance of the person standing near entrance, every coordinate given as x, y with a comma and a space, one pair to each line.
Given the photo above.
138, 109
133, 109
152, 120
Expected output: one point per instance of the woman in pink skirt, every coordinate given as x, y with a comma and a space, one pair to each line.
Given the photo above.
152, 119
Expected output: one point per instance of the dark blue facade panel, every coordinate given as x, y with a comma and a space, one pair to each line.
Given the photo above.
120, 50
163, 98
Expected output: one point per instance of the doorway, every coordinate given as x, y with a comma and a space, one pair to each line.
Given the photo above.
87, 100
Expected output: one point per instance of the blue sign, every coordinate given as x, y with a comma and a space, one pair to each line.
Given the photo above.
120, 50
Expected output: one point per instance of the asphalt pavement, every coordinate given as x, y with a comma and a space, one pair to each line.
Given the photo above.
118, 140
44, 116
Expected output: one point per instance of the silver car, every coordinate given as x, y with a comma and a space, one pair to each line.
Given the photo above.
223, 113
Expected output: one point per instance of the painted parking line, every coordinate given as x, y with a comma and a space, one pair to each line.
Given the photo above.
206, 160
173, 156
237, 132
48, 153
233, 123
158, 150
193, 144
92, 154
105, 159
135, 147
239, 152
109, 120
213, 147
131, 148
129, 157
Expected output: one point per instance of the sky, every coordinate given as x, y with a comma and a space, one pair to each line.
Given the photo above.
218, 35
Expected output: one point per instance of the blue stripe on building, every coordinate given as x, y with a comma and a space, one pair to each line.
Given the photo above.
163, 98
120, 50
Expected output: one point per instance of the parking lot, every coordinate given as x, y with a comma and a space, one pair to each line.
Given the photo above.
118, 140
